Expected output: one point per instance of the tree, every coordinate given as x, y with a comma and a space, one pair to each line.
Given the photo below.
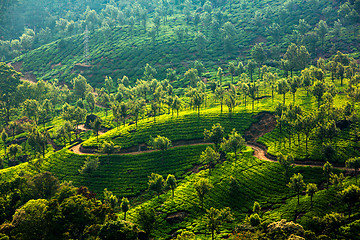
253, 90
294, 84
14, 149
90, 100
355, 164
160, 143
177, 104
220, 75
209, 157
156, 183
81, 87
296, 58
4, 137
297, 184
96, 125
256, 207
231, 99
286, 163
311, 189
110, 199
79, 116
251, 65
351, 195
282, 88
125, 205
216, 217
327, 169
137, 108
234, 142
271, 79
38, 141
202, 187
318, 91
171, 183
232, 70
9, 80
192, 76
215, 135
322, 30
220, 95
259, 55
107, 148
307, 123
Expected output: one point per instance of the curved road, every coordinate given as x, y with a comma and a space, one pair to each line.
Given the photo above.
259, 152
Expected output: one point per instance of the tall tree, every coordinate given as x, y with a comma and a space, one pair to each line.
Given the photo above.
234, 143
216, 217
214, 135
297, 184
327, 169
311, 189
156, 183
209, 157
160, 143
9, 80
202, 187
171, 183
125, 205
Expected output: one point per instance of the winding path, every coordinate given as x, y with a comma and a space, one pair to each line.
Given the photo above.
256, 130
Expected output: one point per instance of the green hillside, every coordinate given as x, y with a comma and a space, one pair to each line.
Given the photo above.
125, 50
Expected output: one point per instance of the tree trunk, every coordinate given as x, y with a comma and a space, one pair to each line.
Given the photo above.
124, 216
298, 195
284, 98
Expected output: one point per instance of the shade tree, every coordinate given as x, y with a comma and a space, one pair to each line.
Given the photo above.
209, 157
202, 187
233, 143
297, 184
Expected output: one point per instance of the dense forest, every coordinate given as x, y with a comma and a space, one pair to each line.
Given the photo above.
179, 119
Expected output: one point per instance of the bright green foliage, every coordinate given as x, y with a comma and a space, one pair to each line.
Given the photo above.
215, 135
110, 199
297, 184
125, 206
256, 207
209, 157
311, 189
327, 169
9, 80
96, 125
286, 163
202, 187
107, 148
156, 183
233, 143
14, 149
160, 143
171, 183
4, 137
90, 165
216, 217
